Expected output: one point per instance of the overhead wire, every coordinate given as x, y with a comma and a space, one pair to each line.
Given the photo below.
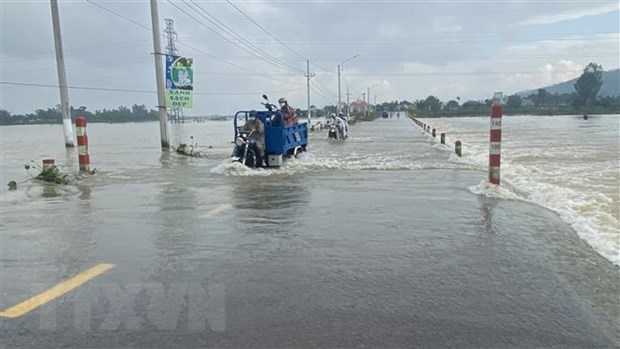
270, 77
270, 60
320, 82
319, 93
119, 15
222, 26
271, 34
91, 88
265, 30
435, 39
194, 48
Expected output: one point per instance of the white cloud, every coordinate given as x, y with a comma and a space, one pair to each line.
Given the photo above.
571, 15
568, 70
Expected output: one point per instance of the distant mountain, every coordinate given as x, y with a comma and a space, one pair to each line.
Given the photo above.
611, 85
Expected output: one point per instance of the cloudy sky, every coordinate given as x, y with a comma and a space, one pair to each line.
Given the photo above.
407, 49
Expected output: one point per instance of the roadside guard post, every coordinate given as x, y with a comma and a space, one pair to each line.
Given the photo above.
82, 141
495, 143
47, 163
457, 148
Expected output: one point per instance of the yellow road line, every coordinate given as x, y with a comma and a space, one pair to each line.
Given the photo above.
56, 291
215, 211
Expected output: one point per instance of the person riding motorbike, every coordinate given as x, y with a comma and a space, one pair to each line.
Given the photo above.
289, 112
341, 125
256, 126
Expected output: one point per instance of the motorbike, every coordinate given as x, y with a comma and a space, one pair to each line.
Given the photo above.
333, 132
246, 151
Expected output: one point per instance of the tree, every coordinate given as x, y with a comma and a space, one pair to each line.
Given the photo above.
541, 97
452, 105
513, 102
472, 105
431, 103
588, 85
5, 117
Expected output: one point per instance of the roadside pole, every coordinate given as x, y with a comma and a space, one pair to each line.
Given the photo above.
159, 75
62, 78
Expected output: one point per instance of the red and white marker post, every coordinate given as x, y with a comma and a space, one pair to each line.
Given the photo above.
495, 145
82, 141
47, 163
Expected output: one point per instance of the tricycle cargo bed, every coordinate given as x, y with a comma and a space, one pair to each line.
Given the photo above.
284, 139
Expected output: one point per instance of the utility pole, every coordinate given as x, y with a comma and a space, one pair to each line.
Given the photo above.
159, 75
308, 76
62, 78
368, 104
364, 99
340, 66
348, 104
338, 108
171, 49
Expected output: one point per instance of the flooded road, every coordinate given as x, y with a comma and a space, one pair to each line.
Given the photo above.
377, 241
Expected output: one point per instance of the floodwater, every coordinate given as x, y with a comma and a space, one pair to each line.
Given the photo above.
387, 239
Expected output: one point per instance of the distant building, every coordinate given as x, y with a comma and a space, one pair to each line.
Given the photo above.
358, 106
527, 103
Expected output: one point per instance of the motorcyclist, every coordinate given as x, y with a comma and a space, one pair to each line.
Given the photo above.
256, 125
343, 126
289, 112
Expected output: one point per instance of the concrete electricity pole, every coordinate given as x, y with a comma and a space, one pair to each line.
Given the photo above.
62, 78
308, 76
159, 75
340, 66
368, 103
348, 104
364, 99
338, 108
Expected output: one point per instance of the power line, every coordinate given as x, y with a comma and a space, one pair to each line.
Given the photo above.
270, 77
119, 15
227, 29
77, 67
196, 49
400, 58
432, 40
323, 86
271, 61
319, 93
322, 68
265, 30
317, 90
142, 91
455, 73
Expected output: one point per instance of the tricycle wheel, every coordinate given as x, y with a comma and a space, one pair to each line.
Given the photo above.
250, 159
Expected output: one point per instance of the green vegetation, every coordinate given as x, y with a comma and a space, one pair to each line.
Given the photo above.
137, 113
49, 174
585, 99
588, 85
